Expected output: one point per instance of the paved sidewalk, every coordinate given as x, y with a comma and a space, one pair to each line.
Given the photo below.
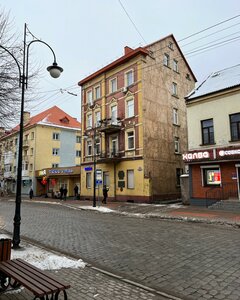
169, 211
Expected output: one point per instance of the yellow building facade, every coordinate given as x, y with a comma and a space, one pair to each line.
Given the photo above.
134, 124
51, 139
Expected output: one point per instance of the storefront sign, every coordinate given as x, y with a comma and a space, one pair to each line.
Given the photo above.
88, 168
228, 152
63, 171
42, 173
195, 155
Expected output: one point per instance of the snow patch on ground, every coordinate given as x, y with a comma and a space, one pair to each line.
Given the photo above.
43, 259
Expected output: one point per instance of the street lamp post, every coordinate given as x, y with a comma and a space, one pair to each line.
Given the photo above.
55, 72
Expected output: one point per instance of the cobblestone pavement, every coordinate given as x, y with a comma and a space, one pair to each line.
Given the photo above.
189, 260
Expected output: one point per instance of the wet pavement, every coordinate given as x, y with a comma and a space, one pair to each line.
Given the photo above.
210, 253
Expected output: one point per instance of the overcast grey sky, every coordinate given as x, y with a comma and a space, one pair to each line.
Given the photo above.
86, 35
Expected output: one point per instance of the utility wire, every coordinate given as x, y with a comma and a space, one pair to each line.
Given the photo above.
210, 27
135, 26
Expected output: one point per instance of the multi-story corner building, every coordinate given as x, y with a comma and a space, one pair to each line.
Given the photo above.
213, 111
134, 123
52, 140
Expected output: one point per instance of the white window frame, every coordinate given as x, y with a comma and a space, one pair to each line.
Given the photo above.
78, 139
176, 145
130, 139
114, 114
78, 153
113, 85
174, 89
55, 151
129, 80
56, 136
89, 121
130, 108
97, 118
88, 180
166, 59
175, 116
97, 92
89, 148
175, 65
130, 179
55, 165
90, 97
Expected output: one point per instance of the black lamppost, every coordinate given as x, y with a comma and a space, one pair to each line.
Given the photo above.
55, 72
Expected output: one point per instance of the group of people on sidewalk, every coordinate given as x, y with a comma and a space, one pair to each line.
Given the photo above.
62, 194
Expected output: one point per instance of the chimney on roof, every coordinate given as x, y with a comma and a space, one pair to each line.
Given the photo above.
26, 117
127, 50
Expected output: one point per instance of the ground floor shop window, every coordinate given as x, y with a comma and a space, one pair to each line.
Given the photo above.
88, 180
211, 176
130, 179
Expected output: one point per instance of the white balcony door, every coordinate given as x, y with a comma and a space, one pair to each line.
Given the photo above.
114, 115
113, 146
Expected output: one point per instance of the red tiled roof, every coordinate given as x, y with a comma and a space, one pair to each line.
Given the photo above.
128, 55
53, 116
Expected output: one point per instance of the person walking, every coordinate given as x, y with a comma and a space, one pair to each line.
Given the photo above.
65, 193
76, 191
31, 193
105, 194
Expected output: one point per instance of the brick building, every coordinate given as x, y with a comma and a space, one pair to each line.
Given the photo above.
213, 111
134, 123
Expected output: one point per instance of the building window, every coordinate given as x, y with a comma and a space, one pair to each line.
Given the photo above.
89, 121
54, 165
130, 179
129, 78
166, 60
170, 45
31, 151
97, 92
207, 132
211, 176
97, 146
130, 142
89, 97
130, 108
179, 172
78, 139
56, 136
176, 145
113, 85
88, 180
97, 119
175, 116
16, 141
78, 153
31, 167
32, 135
114, 114
175, 65
174, 89
55, 151
89, 147
235, 127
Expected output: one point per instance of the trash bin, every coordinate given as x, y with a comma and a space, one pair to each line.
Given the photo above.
5, 249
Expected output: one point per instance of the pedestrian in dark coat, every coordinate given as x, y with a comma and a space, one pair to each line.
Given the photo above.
76, 191
105, 194
31, 193
65, 193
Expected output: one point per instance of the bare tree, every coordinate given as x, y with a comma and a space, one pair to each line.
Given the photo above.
10, 93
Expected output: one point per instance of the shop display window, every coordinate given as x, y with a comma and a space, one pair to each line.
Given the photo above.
212, 177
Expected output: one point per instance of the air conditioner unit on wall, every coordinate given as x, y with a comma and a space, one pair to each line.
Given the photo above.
125, 89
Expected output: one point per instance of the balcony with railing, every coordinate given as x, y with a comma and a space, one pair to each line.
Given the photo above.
25, 144
109, 126
111, 156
